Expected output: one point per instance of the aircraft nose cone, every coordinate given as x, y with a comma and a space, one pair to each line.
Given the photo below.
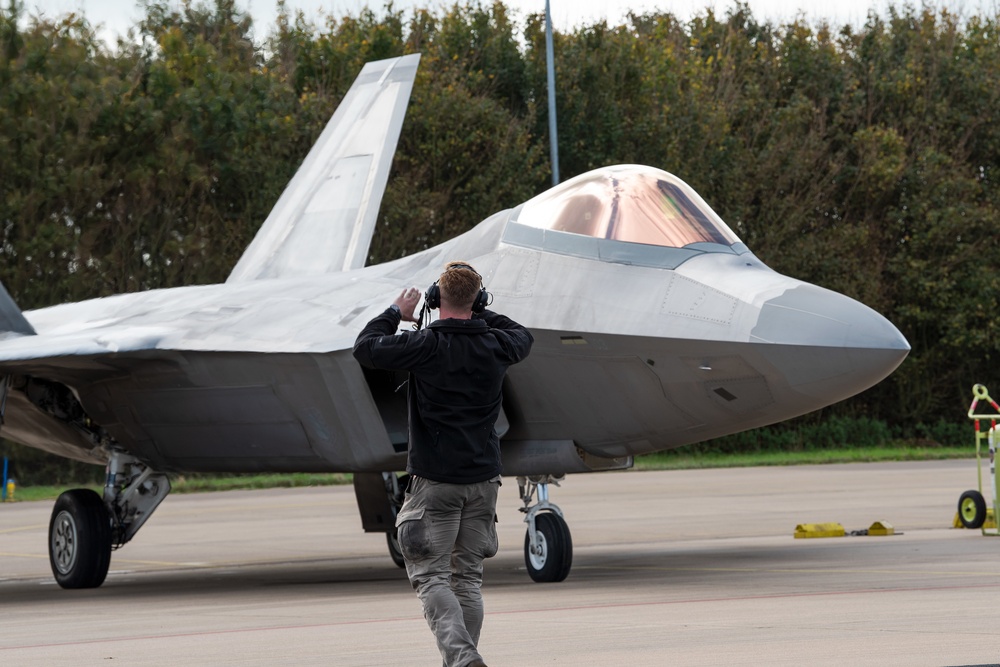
828, 345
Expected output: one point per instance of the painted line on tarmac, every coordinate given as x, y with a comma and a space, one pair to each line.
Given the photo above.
243, 563
246, 508
7, 554
184, 635
747, 598
22, 529
757, 570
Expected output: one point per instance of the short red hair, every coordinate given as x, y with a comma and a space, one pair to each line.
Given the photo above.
459, 285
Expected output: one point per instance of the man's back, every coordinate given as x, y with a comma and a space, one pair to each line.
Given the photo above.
456, 371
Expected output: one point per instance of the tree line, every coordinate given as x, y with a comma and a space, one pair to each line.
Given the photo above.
863, 159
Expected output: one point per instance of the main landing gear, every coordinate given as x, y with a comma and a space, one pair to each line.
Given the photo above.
380, 496
548, 546
84, 528
396, 488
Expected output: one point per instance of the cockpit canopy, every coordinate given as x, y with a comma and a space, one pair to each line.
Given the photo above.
623, 208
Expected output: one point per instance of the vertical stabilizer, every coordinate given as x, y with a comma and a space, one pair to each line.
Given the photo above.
324, 220
11, 320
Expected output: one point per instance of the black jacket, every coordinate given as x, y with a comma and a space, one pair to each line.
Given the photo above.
456, 372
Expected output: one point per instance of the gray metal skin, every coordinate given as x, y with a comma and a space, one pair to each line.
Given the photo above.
627, 360
638, 347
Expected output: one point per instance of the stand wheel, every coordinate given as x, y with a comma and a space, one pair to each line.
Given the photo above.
972, 509
554, 557
80, 539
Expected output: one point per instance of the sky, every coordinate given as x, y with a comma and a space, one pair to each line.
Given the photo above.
117, 15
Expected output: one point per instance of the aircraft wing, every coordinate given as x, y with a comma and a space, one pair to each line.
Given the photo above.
12, 322
324, 220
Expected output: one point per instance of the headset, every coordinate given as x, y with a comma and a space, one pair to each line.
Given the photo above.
432, 297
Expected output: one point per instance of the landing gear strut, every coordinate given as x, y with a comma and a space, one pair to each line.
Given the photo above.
84, 528
548, 545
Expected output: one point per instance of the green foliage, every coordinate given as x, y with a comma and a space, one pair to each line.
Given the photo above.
863, 159
803, 435
200, 483
946, 432
822, 432
465, 151
683, 459
33, 467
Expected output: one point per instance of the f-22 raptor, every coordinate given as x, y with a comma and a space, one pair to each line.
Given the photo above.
654, 326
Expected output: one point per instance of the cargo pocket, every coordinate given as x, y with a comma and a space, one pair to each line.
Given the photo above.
414, 538
492, 541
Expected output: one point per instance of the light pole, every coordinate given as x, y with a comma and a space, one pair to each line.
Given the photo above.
550, 66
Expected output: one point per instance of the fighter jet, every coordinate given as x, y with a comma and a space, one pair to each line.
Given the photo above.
654, 325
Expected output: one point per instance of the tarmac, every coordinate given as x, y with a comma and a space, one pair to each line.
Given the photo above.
671, 568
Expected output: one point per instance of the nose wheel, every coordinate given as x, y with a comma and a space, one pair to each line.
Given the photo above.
548, 545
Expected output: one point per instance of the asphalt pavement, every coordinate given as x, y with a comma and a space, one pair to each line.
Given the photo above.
671, 568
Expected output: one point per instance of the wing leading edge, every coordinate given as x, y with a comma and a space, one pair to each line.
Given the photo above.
324, 220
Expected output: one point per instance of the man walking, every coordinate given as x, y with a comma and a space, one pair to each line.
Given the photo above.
447, 524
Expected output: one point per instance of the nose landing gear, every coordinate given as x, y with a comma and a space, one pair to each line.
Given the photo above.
548, 545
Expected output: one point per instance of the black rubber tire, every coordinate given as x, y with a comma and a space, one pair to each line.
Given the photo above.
79, 539
972, 509
554, 563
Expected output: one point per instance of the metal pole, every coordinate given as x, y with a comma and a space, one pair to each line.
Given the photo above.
4, 384
549, 62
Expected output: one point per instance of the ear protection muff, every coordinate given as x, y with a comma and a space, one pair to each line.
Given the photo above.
482, 300
432, 297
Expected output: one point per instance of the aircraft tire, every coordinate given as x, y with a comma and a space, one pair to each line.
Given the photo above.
79, 539
972, 509
556, 559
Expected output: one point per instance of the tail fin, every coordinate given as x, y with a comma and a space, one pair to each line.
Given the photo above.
11, 319
324, 220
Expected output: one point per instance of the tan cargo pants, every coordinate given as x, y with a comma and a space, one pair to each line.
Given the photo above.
445, 532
